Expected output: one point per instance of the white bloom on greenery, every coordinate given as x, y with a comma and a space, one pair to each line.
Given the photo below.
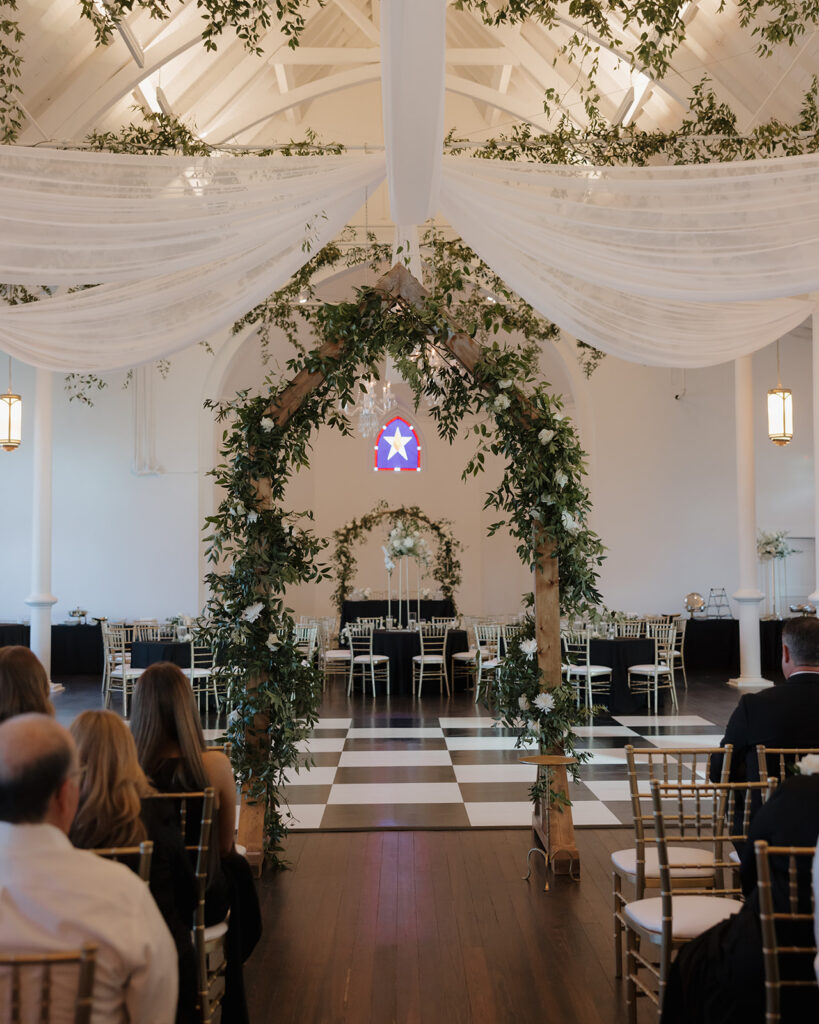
809, 765
504, 384
536, 515
560, 478
547, 499
528, 647
239, 509
534, 727
305, 663
252, 517
545, 436
559, 417
570, 524
267, 423
253, 611
544, 701
523, 702
500, 403
272, 641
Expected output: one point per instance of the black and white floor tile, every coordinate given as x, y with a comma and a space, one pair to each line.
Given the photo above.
463, 772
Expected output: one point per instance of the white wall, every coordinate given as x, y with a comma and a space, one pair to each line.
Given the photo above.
662, 481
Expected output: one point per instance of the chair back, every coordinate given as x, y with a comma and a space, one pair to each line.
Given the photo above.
576, 645
433, 640
138, 858
678, 765
786, 921
376, 621
679, 624
33, 981
444, 620
306, 637
629, 628
779, 761
204, 851
487, 639
147, 631
360, 639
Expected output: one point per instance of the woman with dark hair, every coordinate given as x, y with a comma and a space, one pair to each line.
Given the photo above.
115, 809
24, 685
171, 748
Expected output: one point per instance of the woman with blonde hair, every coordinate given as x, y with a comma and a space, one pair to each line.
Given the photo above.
115, 810
24, 685
171, 747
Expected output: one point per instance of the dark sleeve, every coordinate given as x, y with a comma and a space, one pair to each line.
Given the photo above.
736, 733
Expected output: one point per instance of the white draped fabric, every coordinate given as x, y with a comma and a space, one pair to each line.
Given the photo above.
674, 266
178, 247
413, 48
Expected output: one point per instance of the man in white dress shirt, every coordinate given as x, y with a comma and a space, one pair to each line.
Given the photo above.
54, 897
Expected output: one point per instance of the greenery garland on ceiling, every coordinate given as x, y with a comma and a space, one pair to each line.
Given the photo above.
260, 549
446, 569
11, 36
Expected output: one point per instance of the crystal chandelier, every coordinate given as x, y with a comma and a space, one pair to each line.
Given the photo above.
373, 408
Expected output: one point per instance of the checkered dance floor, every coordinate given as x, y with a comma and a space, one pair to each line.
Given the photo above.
463, 772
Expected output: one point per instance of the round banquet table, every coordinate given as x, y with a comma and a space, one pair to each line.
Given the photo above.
619, 653
149, 652
401, 646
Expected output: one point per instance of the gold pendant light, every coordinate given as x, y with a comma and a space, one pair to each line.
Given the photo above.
780, 410
11, 419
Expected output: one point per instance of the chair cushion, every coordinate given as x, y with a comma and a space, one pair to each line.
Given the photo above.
469, 655
365, 659
491, 663
649, 669
589, 670
337, 655
691, 915
429, 659
216, 931
625, 861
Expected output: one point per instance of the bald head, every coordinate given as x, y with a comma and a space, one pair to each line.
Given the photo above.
37, 763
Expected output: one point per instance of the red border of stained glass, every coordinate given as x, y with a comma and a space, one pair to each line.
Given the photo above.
396, 469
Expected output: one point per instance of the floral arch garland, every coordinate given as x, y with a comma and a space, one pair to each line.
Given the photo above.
259, 548
446, 570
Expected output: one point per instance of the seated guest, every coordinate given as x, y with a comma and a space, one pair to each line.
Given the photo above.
24, 685
718, 978
172, 752
55, 898
786, 715
115, 809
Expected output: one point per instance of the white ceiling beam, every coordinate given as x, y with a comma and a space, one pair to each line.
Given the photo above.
489, 56
284, 88
359, 19
503, 89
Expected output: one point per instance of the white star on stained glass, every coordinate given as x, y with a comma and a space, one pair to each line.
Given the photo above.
398, 444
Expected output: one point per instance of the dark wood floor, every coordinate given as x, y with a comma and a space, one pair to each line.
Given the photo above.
434, 927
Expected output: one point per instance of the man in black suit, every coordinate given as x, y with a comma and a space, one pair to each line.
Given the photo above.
786, 715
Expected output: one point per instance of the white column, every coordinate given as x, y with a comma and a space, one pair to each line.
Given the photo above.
748, 595
41, 599
814, 597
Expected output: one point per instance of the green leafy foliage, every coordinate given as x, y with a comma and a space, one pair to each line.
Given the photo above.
11, 111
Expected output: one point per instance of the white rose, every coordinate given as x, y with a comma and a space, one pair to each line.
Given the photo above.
536, 515
305, 663
267, 423
545, 436
559, 417
534, 727
409, 543
560, 478
252, 517
545, 701
253, 611
529, 647
272, 641
569, 522
547, 499
523, 702
809, 765
504, 384
501, 402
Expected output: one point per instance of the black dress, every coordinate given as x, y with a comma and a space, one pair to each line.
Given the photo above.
718, 978
230, 889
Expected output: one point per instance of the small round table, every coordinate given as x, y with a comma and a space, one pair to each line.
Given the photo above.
548, 762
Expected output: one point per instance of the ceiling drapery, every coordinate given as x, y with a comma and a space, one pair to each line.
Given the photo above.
178, 247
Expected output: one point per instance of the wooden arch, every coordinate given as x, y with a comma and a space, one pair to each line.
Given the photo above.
400, 284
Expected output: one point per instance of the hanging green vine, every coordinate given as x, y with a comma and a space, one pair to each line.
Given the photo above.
260, 549
11, 111
446, 569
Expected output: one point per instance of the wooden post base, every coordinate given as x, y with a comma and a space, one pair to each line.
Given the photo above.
251, 833
554, 828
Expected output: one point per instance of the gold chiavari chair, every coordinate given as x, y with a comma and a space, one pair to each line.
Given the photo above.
584, 677
26, 980
431, 662
376, 666
678, 654
487, 639
141, 855
147, 629
632, 628
788, 943
697, 815
651, 678
119, 675
209, 943
638, 866
779, 761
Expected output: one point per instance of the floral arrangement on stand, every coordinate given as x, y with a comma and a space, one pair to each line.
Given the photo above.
775, 548
545, 717
446, 568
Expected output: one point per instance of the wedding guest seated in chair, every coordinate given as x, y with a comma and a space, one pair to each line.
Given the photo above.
55, 898
113, 812
24, 685
173, 754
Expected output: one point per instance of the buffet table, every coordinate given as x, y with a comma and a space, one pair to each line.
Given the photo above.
712, 645
75, 650
619, 653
